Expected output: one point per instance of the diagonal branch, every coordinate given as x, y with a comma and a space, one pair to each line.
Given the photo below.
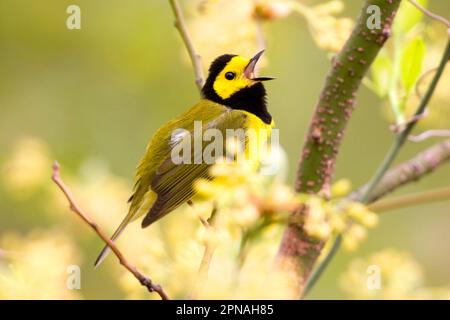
298, 252
145, 281
180, 24
424, 163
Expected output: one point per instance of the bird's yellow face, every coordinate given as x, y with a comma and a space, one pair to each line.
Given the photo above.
229, 75
232, 78
231, 82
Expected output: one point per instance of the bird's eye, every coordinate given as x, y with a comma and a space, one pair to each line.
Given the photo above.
230, 75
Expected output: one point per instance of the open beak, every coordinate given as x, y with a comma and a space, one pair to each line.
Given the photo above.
249, 71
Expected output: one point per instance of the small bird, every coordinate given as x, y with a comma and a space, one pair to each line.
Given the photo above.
232, 98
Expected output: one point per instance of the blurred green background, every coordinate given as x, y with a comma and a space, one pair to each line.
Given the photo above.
100, 92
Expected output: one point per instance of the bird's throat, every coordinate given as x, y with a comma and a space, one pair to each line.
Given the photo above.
251, 99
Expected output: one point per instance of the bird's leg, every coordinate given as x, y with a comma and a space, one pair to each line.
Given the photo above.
213, 215
204, 222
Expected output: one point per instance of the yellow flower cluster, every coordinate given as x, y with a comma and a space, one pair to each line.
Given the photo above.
338, 216
248, 205
329, 32
168, 251
27, 167
388, 274
246, 196
270, 10
218, 25
36, 266
221, 25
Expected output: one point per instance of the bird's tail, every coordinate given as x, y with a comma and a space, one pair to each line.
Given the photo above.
104, 253
143, 207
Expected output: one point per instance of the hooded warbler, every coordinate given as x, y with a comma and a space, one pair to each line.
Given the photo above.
232, 98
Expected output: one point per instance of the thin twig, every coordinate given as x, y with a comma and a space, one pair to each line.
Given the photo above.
441, 194
208, 253
421, 79
431, 14
317, 272
145, 281
410, 171
402, 137
180, 24
430, 134
398, 128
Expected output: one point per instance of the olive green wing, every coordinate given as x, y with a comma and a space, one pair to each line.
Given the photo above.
174, 183
160, 146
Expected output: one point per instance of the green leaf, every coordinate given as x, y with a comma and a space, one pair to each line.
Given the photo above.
411, 63
381, 74
408, 16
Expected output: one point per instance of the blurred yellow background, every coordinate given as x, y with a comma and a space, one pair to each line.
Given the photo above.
91, 99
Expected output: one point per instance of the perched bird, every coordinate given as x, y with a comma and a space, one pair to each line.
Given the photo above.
232, 98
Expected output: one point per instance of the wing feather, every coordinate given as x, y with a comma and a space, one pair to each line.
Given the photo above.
174, 183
